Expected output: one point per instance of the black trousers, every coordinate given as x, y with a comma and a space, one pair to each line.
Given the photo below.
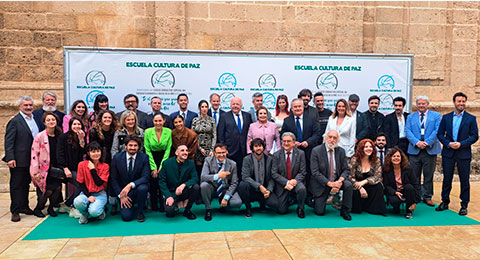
154, 190
73, 181
463, 167
299, 191
410, 194
321, 201
191, 194
19, 187
139, 196
248, 194
373, 204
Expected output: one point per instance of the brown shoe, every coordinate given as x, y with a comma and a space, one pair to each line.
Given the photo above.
15, 217
429, 203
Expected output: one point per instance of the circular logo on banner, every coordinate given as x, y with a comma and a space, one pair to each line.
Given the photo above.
267, 81
95, 78
386, 82
327, 80
225, 99
386, 101
90, 98
269, 100
163, 79
227, 80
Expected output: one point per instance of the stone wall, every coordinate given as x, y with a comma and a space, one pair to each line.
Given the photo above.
443, 36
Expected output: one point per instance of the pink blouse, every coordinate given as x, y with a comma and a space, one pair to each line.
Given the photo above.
267, 132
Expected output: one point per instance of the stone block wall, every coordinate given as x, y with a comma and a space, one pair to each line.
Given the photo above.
443, 36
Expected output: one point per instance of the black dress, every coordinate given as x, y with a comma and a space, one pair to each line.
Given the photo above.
53, 183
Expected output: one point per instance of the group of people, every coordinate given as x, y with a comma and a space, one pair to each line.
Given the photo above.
301, 155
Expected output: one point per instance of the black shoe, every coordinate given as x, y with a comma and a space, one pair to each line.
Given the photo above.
114, 210
208, 215
223, 210
309, 202
15, 217
345, 214
300, 213
52, 212
443, 206
248, 213
408, 215
140, 217
38, 213
188, 214
396, 210
463, 211
27, 211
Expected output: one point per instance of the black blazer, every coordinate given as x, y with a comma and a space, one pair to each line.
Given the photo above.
67, 155
310, 128
467, 135
389, 184
148, 121
248, 172
321, 168
228, 134
38, 114
190, 115
390, 127
119, 171
18, 141
140, 117
362, 126
220, 110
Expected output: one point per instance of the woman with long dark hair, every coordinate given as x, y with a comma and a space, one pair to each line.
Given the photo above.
183, 135
77, 110
100, 104
103, 132
366, 177
206, 130
281, 111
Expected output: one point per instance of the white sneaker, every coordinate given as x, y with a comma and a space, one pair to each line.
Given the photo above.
102, 216
83, 219
74, 213
63, 208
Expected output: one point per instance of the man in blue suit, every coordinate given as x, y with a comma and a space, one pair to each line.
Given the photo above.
130, 171
457, 132
232, 131
421, 130
215, 110
182, 101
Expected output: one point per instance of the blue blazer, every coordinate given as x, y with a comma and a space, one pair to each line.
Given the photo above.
412, 130
228, 134
467, 135
188, 121
118, 171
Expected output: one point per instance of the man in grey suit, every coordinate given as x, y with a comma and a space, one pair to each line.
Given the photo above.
257, 101
329, 175
219, 178
257, 184
288, 171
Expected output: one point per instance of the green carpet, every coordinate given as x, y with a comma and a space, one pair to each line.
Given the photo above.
156, 223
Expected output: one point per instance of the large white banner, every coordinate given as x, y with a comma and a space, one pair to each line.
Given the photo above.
167, 73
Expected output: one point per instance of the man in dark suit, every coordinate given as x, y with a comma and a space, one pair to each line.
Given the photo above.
288, 172
257, 183
381, 145
458, 131
178, 182
131, 103
374, 118
361, 125
182, 101
49, 100
215, 110
220, 179
394, 126
306, 96
232, 131
156, 104
130, 171
19, 135
257, 101
330, 172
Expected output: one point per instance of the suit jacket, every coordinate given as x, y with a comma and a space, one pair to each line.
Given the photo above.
38, 114
210, 169
467, 135
412, 131
190, 116
320, 166
210, 113
228, 134
279, 168
391, 128
169, 178
248, 172
119, 171
140, 117
148, 121
310, 130
362, 126
408, 177
18, 141
373, 129
253, 114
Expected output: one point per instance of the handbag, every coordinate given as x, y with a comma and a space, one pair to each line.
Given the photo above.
57, 173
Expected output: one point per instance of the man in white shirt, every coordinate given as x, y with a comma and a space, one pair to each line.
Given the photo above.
394, 126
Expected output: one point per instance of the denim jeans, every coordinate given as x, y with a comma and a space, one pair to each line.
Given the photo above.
93, 209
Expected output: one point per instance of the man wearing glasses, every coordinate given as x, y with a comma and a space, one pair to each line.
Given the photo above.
131, 103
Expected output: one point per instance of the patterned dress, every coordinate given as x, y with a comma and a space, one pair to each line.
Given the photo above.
206, 130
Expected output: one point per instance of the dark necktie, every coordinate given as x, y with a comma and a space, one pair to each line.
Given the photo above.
215, 116
220, 181
381, 156
184, 116
299, 130
239, 123
332, 168
130, 167
289, 166
422, 126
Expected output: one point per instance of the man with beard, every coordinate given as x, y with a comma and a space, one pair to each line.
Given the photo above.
257, 183
381, 143
374, 118
394, 125
156, 104
257, 101
49, 104
361, 126
306, 95
215, 110
329, 175
323, 113
188, 116
131, 103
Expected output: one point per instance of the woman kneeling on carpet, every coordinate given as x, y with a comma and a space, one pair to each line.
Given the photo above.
92, 177
399, 181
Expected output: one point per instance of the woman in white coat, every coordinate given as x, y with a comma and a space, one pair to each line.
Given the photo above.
342, 121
